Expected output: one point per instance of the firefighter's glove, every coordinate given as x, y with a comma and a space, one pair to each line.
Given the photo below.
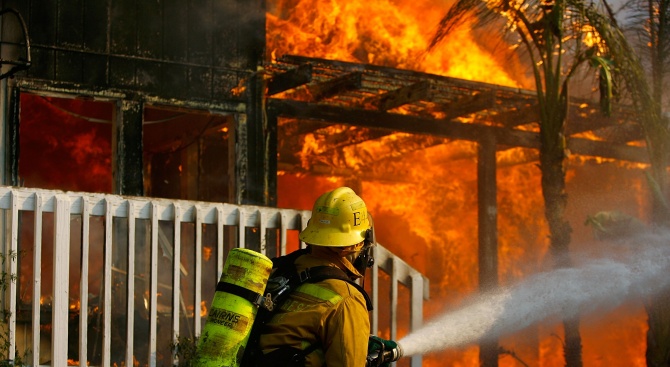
376, 352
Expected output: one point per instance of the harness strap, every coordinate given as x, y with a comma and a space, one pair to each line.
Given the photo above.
249, 295
321, 273
285, 266
286, 357
315, 274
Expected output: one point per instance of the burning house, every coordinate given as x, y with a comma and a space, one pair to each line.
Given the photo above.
160, 109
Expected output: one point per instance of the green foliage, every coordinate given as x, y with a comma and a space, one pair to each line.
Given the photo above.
606, 84
184, 351
5, 280
12, 363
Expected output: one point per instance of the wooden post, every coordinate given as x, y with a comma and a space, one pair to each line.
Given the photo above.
256, 150
10, 107
488, 233
127, 168
61, 273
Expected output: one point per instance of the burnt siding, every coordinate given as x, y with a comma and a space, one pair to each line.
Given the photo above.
123, 27
94, 27
184, 49
176, 33
200, 30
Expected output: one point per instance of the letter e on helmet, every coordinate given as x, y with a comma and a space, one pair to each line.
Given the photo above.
339, 219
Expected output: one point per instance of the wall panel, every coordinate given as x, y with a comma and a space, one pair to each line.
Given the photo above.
169, 49
71, 23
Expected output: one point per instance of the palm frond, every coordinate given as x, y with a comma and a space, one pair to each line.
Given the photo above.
455, 17
606, 83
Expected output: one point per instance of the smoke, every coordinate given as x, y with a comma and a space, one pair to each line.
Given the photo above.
632, 269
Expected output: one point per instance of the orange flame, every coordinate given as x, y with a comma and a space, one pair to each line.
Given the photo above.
428, 216
203, 309
381, 32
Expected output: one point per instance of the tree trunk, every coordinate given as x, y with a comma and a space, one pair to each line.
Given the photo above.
552, 166
573, 343
658, 335
658, 308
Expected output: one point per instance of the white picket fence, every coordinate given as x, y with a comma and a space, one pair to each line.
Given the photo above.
109, 303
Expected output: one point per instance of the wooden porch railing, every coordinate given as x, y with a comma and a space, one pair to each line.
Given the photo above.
108, 280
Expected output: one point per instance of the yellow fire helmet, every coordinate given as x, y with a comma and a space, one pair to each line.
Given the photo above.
339, 219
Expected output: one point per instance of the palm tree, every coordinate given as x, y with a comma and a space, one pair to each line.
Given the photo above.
650, 31
559, 40
650, 26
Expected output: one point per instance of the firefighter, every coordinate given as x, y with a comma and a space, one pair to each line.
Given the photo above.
327, 323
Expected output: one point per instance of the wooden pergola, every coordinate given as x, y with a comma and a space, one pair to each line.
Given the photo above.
309, 94
366, 103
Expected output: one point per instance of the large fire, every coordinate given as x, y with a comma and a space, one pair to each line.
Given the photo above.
429, 216
383, 32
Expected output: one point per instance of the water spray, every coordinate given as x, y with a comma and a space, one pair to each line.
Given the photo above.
633, 270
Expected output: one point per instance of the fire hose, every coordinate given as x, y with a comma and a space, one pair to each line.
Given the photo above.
382, 352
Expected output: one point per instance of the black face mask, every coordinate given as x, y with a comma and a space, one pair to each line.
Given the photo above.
366, 258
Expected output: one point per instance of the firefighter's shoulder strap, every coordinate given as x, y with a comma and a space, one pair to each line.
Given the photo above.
284, 280
285, 267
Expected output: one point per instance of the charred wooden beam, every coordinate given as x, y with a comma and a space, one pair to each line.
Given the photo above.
329, 171
331, 87
315, 170
619, 127
518, 116
334, 149
605, 149
353, 136
290, 79
468, 105
396, 74
127, 166
400, 96
392, 148
446, 128
400, 123
383, 169
295, 127
586, 118
621, 134
395, 98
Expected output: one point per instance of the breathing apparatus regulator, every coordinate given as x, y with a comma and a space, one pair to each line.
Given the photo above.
365, 258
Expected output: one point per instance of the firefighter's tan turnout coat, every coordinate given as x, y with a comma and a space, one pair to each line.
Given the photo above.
332, 313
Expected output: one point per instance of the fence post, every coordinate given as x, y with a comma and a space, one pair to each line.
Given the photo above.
61, 276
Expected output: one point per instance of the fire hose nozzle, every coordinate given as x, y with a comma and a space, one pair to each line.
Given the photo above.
382, 352
396, 352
